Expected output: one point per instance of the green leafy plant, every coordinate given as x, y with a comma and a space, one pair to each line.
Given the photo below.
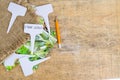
43, 43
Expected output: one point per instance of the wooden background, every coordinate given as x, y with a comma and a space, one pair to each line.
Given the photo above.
90, 42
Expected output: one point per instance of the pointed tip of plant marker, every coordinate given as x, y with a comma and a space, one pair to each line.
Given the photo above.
7, 31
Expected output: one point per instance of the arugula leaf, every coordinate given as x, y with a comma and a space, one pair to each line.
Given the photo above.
23, 50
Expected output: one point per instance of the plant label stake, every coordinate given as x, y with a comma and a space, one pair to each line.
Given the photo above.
33, 30
27, 65
16, 10
10, 61
43, 11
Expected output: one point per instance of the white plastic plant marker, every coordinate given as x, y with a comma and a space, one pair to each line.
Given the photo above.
16, 10
43, 11
10, 60
33, 30
27, 65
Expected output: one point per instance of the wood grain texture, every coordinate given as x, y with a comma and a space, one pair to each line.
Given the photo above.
90, 42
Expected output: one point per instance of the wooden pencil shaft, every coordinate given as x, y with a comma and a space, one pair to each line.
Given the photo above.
57, 31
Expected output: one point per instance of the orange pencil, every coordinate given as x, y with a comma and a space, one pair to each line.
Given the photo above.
58, 32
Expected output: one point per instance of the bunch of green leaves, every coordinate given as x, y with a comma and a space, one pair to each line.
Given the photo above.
43, 43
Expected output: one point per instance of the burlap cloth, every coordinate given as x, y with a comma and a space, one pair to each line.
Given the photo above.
16, 37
